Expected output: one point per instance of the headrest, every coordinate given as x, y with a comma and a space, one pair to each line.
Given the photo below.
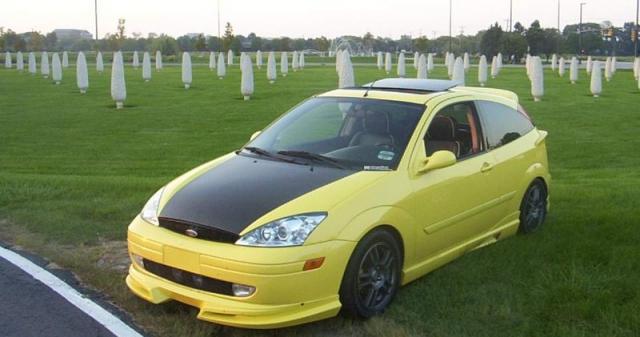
376, 122
442, 128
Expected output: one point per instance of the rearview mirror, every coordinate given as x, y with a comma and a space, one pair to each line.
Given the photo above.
254, 135
438, 160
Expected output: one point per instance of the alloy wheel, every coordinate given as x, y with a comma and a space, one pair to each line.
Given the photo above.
377, 277
534, 208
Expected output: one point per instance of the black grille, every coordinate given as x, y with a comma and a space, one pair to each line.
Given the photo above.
204, 233
188, 279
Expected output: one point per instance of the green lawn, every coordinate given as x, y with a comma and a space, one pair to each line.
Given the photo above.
74, 171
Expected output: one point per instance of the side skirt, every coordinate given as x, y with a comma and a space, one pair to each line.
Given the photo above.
507, 227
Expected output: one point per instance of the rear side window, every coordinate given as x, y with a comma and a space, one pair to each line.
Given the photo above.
502, 124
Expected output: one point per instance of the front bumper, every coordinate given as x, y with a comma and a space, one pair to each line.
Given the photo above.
285, 294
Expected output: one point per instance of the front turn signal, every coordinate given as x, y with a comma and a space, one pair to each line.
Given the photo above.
313, 264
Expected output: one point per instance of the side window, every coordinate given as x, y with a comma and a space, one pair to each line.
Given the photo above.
502, 124
455, 128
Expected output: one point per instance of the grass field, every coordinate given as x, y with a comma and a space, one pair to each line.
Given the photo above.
74, 171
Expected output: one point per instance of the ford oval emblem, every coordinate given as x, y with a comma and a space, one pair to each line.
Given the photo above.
191, 233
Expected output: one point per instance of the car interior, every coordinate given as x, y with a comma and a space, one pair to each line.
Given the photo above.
367, 134
375, 130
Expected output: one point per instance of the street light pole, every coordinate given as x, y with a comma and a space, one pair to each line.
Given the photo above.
510, 16
558, 16
218, 19
96, 13
635, 43
580, 30
450, 25
559, 32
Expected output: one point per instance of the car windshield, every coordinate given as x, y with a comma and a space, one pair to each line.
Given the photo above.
352, 133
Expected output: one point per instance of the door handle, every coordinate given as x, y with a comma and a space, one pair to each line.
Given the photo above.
486, 167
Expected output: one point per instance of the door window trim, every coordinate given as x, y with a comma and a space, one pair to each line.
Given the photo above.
479, 124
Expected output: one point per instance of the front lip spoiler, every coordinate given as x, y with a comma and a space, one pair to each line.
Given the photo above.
227, 311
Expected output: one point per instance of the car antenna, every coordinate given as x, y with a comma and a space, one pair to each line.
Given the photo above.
369, 88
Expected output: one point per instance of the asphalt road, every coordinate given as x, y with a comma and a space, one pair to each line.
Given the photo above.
30, 308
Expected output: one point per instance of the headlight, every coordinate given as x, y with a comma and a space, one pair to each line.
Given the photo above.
150, 210
290, 231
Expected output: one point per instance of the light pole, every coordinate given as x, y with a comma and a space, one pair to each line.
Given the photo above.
95, 6
450, 24
218, 19
558, 16
510, 16
580, 30
559, 32
635, 43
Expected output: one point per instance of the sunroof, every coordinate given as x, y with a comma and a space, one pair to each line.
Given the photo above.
411, 85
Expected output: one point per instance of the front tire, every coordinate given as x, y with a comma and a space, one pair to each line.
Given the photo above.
533, 209
372, 277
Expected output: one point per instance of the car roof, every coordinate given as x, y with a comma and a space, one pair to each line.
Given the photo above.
417, 91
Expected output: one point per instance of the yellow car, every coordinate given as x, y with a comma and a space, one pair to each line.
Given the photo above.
342, 200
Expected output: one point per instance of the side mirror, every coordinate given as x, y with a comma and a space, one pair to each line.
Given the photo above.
254, 135
438, 160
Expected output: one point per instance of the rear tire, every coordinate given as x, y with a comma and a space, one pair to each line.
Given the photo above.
533, 209
372, 277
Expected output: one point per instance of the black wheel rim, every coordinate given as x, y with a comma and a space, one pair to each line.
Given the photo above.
377, 277
535, 207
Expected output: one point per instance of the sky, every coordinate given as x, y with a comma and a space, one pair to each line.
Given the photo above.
303, 18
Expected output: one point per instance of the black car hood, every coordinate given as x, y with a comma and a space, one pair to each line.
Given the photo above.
235, 193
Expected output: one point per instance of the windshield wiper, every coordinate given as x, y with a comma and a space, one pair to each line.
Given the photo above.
314, 156
265, 153
258, 151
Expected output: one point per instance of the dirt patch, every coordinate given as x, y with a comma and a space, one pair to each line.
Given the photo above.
113, 255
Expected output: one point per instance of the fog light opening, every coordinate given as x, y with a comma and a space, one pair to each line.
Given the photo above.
313, 264
137, 259
241, 290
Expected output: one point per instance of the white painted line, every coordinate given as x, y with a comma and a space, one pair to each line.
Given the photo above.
102, 316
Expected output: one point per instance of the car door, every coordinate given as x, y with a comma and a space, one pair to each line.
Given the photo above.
453, 204
505, 128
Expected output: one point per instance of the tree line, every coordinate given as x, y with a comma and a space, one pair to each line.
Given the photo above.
534, 40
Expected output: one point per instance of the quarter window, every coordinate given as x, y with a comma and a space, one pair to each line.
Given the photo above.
502, 124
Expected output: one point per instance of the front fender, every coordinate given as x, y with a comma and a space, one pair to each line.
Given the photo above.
394, 217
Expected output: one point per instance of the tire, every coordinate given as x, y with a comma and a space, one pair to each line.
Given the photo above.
372, 277
533, 208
